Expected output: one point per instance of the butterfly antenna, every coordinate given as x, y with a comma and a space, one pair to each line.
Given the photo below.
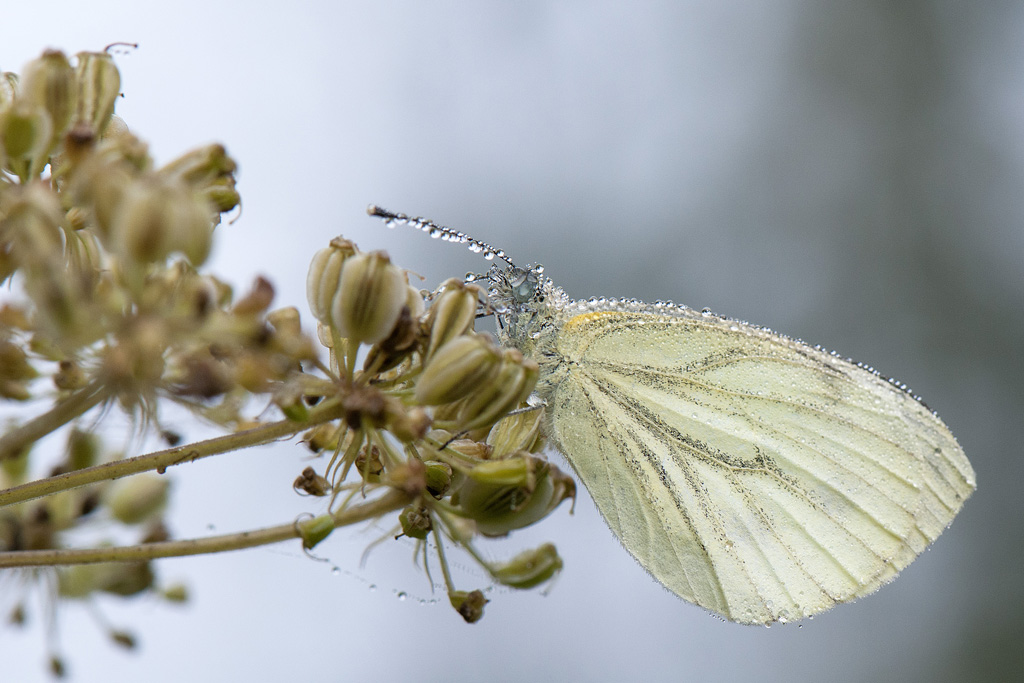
438, 232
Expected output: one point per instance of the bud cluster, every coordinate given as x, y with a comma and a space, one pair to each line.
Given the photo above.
443, 393
106, 247
100, 254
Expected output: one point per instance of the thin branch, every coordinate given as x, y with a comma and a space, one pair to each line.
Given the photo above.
392, 500
161, 460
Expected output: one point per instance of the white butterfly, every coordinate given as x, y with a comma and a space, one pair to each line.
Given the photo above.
751, 474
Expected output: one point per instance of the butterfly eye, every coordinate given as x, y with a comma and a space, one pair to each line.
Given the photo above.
524, 286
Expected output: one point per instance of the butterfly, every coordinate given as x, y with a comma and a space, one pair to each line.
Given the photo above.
759, 477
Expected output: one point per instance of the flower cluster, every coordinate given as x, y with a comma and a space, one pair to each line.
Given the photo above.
444, 394
417, 415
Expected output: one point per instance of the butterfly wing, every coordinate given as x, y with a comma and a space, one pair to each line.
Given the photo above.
749, 473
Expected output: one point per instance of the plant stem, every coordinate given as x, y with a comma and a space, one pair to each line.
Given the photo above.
13, 442
161, 460
392, 500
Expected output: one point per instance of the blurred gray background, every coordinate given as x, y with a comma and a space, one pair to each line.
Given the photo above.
847, 173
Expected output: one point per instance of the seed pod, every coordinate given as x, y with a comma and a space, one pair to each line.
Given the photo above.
25, 132
311, 483
529, 568
451, 314
415, 522
137, 499
512, 384
99, 84
49, 82
517, 433
312, 531
8, 87
158, 217
522, 491
469, 605
464, 365
201, 166
324, 278
371, 295
408, 424
439, 478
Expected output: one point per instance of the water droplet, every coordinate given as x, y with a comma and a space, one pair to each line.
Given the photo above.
401, 595
706, 312
373, 587
489, 255
335, 570
435, 233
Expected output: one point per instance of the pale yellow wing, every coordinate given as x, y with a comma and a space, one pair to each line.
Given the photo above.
749, 473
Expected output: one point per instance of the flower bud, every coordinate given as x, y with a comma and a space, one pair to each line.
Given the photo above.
157, 218
514, 471
512, 384
323, 279
118, 578
529, 568
8, 88
469, 605
311, 483
323, 437
414, 301
15, 372
25, 131
257, 300
512, 496
285, 321
99, 84
439, 478
137, 499
222, 194
200, 167
370, 298
312, 531
123, 638
517, 433
369, 467
415, 522
175, 593
467, 447
464, 365
410, 424
451, 314
83, 449
210, 171
49, 82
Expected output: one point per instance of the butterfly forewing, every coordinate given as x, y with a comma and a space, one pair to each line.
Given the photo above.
750, 473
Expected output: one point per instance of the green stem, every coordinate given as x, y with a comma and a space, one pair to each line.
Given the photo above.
80, 402
161, 460
390, 501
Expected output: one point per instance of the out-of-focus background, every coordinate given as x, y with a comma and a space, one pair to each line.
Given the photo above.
847, 173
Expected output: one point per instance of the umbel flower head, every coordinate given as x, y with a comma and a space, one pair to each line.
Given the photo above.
441, 391
103, 251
